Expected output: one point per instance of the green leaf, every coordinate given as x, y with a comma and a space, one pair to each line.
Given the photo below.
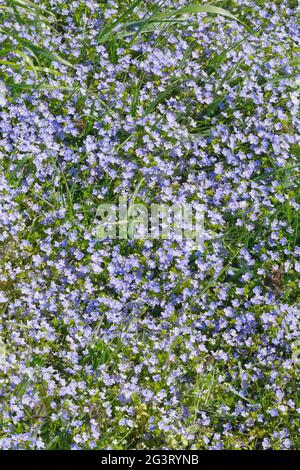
45, 53
191, 9
144, 24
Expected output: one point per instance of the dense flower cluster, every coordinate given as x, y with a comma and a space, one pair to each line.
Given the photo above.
147, 343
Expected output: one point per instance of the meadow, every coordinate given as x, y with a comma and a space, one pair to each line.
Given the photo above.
149, 343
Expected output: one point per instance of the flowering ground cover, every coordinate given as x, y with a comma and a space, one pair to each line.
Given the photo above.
109, 343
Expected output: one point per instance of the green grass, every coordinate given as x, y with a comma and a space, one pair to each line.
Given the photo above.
206, 392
